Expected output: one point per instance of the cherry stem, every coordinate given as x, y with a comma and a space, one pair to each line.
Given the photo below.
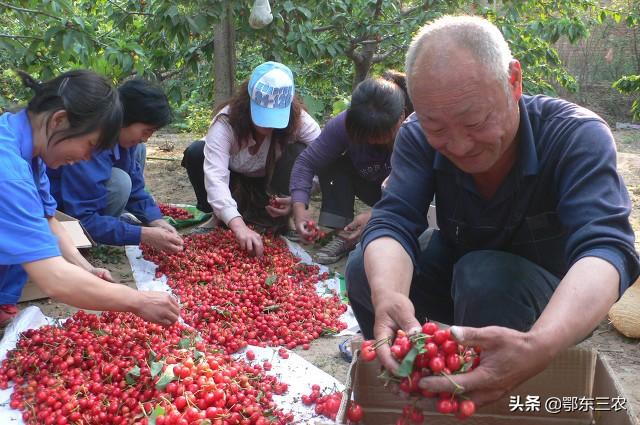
459, 389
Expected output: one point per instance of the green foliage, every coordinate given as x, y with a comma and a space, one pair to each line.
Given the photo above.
630, 84
329, 45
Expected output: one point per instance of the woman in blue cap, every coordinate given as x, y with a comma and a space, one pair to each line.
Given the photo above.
248, 153
67, 119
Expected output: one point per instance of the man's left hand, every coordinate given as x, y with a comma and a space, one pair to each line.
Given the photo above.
508, 358
353, 230
161, 222
103, 274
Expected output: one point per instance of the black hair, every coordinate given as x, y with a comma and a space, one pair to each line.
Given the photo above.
376, 106
91, 104
400, 79
144, 102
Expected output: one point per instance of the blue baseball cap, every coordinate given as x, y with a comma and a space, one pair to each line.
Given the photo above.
271, 91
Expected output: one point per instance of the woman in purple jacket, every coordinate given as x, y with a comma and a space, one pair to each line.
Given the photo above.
352, 157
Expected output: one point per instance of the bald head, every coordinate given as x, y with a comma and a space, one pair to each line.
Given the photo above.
450, 42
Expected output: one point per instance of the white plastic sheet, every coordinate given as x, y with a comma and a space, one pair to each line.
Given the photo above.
298, 373
29, 318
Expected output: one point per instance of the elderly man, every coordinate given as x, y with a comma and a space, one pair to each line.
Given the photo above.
534, 243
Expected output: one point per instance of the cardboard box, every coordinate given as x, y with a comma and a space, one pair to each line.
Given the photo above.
80, 238
576, 374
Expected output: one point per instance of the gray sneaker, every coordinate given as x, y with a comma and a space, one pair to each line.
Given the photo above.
130, 218
333, 251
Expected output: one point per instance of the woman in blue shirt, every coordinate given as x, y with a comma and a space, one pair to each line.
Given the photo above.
68, 118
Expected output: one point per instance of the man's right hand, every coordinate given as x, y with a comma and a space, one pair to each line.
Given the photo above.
161, 239
393, 311
158, 307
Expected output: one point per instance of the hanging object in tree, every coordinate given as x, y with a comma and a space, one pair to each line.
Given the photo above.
260, 14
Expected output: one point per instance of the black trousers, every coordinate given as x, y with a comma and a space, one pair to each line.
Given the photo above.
482, 288
250, 193
340, 184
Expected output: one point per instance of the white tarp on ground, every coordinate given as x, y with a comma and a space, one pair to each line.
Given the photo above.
298, 373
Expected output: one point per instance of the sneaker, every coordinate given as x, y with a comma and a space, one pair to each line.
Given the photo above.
7, 313
292, 235
130, 218
333, 251
205, 227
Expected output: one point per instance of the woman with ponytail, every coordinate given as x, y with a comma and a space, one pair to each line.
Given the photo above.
352, 157
67, 119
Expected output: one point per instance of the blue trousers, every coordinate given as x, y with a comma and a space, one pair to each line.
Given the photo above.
481, 288
119, 185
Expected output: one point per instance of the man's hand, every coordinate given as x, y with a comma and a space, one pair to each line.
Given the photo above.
162, 239
103, 274
283, 210
508, 358
353, 230
248, 239
393, 311
158, 307
162, 223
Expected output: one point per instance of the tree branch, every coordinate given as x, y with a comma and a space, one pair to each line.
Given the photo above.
409, 11
351, 53
129, 12
20, 37
379, 57
325, 28
21, 9
376, 14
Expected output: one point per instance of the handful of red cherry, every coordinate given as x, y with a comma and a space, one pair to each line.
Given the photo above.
430, 352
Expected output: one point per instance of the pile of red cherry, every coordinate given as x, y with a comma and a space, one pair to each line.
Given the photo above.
328, 405
118, 369
176, 213
234, 299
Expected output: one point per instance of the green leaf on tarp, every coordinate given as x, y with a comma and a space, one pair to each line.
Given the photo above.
166, 377
271, 279
158, 411
326, 331
99, 332
132, 376
406, 367
156, 368
184, 343
197, 356
218, 310
152, 356
343, 289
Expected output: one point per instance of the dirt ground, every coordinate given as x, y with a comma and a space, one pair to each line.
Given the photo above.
168, 182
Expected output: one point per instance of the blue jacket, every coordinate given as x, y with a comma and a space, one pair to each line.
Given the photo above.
80, 190
25, 205
563, 200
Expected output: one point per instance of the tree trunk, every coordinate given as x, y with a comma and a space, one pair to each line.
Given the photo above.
363, 62
224, 51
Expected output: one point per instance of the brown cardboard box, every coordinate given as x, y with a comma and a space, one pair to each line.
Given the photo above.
574, 375
80, 238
